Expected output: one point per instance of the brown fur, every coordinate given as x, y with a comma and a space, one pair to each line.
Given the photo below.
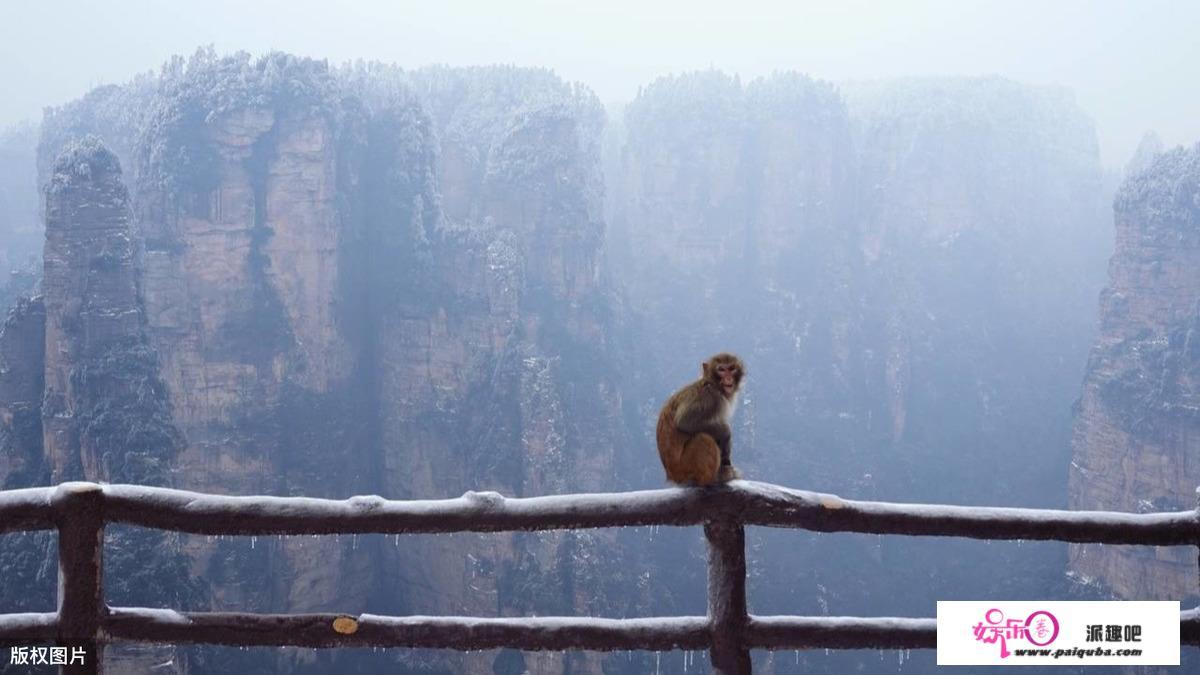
693, 430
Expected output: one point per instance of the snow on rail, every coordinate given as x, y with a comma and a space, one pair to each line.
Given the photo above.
840, 632
80, 510
434, 632
31, 626
26, 509
745, 502
135, 624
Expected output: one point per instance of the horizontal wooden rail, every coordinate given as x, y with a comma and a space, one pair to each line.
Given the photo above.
841, 632
32, 627
744, 502
438, 632
166, 626
80, 511
26, 509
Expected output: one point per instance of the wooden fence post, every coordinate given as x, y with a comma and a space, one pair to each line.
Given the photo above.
727, 613
80, 512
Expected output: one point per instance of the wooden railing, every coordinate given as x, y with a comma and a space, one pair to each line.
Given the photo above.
79, 511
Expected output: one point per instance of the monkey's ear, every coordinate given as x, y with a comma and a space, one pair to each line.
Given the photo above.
704, 369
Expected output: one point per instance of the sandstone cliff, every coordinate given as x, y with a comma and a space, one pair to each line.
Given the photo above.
22, 378
868, 245
732, 232
492, 365
980, 204
92, 308
907, 267
20, 226
247, 195
103, 411
1134, 444
27, 558
334, 283
370, 280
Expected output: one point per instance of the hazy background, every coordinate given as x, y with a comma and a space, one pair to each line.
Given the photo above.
266, 275
1126, 62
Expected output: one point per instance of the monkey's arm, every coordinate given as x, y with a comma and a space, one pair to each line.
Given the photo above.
723, 435
726, 447
699, 413
696, 410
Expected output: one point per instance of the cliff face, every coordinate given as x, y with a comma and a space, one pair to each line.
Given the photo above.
906, 268
247, 197
315, 314
868, 245
28, 558
731, 231
980, 204
1134, 444
22, 378
369, 280
92, 307
20, 230
105, 414
493, 374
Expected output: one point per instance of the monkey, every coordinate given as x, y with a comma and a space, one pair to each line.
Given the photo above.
693, 427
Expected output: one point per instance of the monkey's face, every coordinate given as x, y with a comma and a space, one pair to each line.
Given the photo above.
726, 372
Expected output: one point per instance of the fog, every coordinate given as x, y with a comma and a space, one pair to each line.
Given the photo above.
395, 249
1132, 66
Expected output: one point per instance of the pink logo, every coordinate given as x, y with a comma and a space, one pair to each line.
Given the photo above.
1040, 628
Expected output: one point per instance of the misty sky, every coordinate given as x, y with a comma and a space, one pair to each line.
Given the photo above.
1134, 66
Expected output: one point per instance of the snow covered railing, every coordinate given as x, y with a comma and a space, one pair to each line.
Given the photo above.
79, 511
